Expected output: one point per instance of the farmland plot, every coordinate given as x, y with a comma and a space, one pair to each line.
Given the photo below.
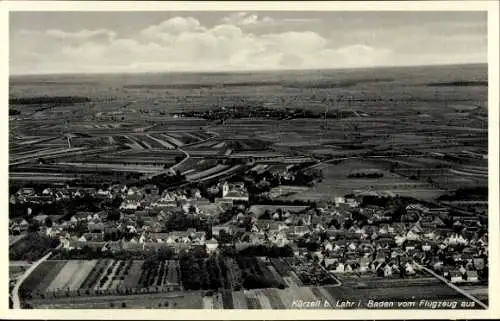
94, 275
336, 182
172, 277
239, 300
159, 139
134, 144
222, 173
107, 282
42, 277
174, 141
67, 277
190, 165
103, 278
132, 274
207, 172
84, 269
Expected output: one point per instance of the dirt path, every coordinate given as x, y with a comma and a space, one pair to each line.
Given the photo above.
15, 293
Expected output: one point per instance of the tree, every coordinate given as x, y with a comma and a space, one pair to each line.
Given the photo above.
140, 222
113, 215
117, 201
34, 226
48, 222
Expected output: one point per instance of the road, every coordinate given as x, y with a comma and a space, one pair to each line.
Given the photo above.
15, 292
453, 286
173, 167
14, 239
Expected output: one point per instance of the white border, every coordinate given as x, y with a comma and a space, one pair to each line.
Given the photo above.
493, 103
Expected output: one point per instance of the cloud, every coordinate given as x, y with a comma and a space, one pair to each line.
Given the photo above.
246, 19
185, 44
176, 25
82, 35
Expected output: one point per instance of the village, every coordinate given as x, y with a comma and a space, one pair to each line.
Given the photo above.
353, 235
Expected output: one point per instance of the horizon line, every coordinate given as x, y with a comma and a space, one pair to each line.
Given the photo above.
236, 71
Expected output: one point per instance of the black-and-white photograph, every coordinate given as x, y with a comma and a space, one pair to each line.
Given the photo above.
248, 160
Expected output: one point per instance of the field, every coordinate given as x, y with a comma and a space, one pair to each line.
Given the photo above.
58, 278
283, 191
32, 247
263, 298
138, 284
17, 270
177, 300
336, 182
138, 131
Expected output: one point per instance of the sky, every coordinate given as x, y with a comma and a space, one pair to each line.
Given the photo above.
107, 42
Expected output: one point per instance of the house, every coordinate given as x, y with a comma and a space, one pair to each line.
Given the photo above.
478, 263
53, 231
151, 189
352, 246
410, 245
339, 200
198, 238
300, 251
411, 235
438, 222
279, 239
399, 239
216, 229
234, 192
456, 239
130, 205
409, 269
455, 277
93, 237
340, 268
472, 276
328, 246
104, 193
114, 246
417, 228
26, 191
212, 245
380, 256
437, 265
426, 247
364, 264
300, 230
94, 227
40, 218
329, 261
352, 202
387, 270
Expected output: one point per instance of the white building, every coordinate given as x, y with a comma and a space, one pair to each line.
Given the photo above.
212, 245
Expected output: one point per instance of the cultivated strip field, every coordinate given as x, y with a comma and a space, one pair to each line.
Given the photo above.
59, 277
